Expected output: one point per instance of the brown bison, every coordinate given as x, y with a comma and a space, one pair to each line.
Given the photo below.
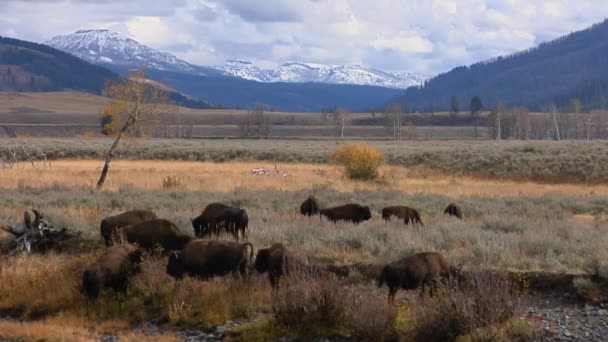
207, 258
352, 212
407, 214
113, 269
414, 271
217, 218
276, 260
110, 224
453, 210
157, 232
310, 206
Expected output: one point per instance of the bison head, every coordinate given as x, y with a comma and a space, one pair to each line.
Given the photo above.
261, 260
175, 266
91, 284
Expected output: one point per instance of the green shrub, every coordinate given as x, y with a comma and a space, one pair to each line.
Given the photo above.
359, 160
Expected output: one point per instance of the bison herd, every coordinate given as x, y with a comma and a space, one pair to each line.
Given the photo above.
142, 231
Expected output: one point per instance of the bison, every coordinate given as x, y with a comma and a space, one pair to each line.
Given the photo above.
110, 224
113, 269
156, 232
414, 271
407, 214
217, 218
207, 258
453, 210
276, 260
310, 206
352, 212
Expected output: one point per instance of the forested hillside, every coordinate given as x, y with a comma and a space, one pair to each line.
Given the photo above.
573, 66
27, 66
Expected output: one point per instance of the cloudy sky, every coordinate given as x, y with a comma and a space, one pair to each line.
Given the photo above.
396, 35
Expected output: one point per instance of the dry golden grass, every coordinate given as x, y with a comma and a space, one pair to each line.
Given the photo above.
225, 177
68, 328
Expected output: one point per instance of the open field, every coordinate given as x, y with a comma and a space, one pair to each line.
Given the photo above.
547, 226
540, 161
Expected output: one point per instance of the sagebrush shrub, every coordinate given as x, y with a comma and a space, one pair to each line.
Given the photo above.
359, 160
172, 181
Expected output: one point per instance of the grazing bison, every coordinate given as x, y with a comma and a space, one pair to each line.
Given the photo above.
217, 218
207, 258
113, 269
276, 260
407, 214
156, 232
453, 210
348, 212
414, 271
110, 224
310, 206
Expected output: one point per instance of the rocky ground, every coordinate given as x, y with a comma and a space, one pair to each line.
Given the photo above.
561, 318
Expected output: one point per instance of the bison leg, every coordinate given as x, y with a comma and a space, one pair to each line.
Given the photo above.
392, 291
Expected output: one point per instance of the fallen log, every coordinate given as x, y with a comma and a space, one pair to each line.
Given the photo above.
38, 235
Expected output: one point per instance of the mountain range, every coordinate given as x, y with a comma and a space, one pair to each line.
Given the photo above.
573, 66
111, 48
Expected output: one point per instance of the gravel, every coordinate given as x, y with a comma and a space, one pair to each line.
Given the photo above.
561, 319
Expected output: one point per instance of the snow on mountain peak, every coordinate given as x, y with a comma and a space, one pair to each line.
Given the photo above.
101, 46
300, 72
105, 46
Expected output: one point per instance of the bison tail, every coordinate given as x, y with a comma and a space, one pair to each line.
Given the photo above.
382, 277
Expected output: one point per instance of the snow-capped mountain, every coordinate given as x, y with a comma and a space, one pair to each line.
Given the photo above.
108, 47
111, 48
297, 72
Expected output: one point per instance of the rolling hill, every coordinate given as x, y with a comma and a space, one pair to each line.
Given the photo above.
31, 67
27, 66
573, 66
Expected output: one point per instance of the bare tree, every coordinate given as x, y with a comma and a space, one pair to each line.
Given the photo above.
393, 116
339, 118
134, 105
553, 110
496, 118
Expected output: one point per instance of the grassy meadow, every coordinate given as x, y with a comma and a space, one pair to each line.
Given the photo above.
511, 222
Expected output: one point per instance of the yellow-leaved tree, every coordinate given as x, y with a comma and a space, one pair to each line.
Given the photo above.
360, 161
134, 106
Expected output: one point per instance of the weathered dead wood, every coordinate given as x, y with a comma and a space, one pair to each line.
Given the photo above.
37, 235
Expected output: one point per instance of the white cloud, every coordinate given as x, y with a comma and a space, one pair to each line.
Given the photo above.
401, 35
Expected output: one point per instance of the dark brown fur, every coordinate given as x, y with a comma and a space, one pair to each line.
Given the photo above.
276, 260
111, 224
407, 214
351, 212
217, 218
207, 258
453, 210
113, 269
310, 206
157, 232
412, 272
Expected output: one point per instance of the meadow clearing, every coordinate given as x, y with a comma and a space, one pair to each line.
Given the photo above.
526, 225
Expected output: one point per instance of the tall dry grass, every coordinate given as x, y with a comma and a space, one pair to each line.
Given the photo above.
227, 177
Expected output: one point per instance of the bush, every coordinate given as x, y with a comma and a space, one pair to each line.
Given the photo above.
170, 182
483, 301
359, 160
310, 304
